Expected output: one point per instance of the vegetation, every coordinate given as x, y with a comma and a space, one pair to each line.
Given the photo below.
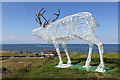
19, 54
45, 67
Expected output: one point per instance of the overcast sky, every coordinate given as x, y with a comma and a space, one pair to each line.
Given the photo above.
18, 19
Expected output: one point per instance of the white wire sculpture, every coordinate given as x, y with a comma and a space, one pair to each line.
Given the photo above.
80, 25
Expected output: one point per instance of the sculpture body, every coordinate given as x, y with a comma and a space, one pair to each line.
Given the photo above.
80, 25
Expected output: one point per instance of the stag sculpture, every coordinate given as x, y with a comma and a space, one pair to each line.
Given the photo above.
80, 25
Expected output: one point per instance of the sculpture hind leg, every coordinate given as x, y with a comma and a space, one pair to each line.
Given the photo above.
58, 52
101, 66
87, 65
66, 51
91, 38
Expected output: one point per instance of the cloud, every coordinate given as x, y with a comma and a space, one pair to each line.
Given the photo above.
12, 37
106, 39
33, 39
109, 39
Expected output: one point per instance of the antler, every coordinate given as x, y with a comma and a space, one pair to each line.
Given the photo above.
57, 15
38, 16
46, 21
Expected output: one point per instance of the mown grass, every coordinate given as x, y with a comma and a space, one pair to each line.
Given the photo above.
45, 67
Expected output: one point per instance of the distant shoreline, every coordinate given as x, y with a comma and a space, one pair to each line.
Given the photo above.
13, 52
10, 54
31, 53
66, 43
72, 48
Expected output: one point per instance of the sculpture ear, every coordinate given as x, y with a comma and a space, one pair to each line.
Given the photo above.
97, 25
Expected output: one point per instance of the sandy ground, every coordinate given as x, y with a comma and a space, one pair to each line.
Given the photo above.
4, 51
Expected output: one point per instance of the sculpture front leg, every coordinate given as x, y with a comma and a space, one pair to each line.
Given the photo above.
58, 52
66, 51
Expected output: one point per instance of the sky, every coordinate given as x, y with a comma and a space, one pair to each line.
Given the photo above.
18, 20
59, 0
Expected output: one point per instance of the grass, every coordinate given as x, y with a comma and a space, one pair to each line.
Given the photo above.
45, 67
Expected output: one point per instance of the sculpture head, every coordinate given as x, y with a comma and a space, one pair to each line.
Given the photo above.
39, 31
39, 15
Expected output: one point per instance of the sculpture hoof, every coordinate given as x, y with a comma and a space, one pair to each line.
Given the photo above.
100, 70
86, 66
69, 64
64, 65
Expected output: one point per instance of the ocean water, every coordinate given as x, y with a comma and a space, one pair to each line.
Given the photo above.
72, 48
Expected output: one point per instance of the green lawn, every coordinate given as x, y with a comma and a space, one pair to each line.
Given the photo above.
45, 67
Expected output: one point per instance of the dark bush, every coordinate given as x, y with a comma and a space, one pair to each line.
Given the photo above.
4, 69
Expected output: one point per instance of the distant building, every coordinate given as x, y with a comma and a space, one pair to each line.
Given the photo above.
48, 53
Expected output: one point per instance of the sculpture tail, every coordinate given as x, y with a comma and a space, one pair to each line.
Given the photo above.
96, 24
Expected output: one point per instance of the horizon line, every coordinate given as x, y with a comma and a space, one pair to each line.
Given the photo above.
52, 43
59, 1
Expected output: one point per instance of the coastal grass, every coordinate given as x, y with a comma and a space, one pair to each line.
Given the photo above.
45, 67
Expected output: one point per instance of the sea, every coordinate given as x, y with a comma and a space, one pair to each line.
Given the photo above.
72, 48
